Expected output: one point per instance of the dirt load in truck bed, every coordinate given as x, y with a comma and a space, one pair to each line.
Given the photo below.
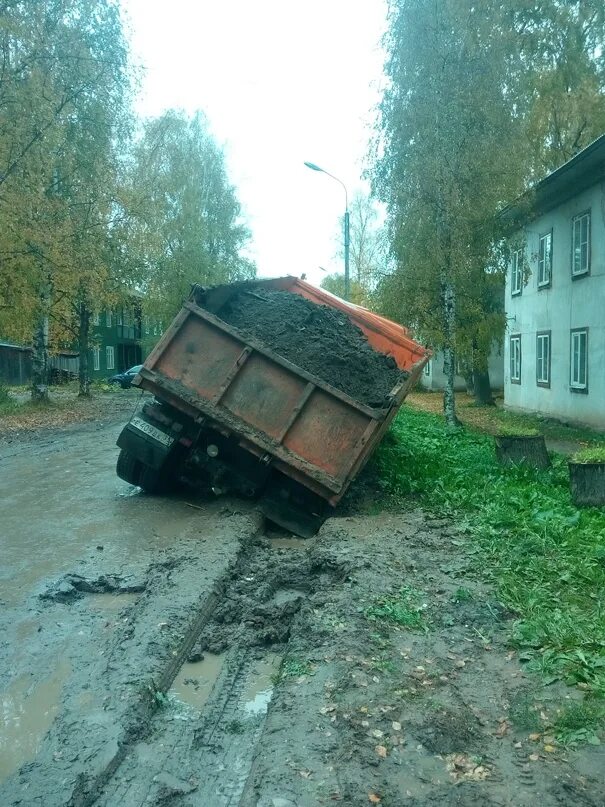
319, 339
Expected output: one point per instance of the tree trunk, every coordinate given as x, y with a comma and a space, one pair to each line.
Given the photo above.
449, 363
482, 389
529, 450
83, 347
39, 387
587, 483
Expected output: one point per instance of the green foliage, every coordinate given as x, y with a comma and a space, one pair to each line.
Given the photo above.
184, 218
463, 595
292, 668
405, 608
335, 284
512, 430
546, 557
594, 454
446, 135
579, 722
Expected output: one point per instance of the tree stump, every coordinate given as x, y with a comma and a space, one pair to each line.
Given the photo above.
587, 483
530, 450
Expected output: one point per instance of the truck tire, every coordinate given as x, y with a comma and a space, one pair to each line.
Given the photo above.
154, 480
128, 468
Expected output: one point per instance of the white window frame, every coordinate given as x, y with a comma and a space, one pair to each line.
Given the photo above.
96, 358
543, 358
516, 273
120, 317
515, 359
427, 368
580, 246
96, 319
108, 317
578, 365
545, 260
110, 357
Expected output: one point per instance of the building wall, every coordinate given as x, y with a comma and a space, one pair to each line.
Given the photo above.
566, 304
433, 378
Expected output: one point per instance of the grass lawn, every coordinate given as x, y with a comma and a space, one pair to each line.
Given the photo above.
490, 419
545, 557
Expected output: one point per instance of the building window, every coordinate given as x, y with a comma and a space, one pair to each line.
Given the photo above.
427, 368
109, 354
579, 360
96, 320
515, 359
543, 359
108, 318
517, 272
120, 317
96, 358
545, 260
147, 328
580, 245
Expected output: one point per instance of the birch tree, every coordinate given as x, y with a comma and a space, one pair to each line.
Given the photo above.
446, 160
186, 223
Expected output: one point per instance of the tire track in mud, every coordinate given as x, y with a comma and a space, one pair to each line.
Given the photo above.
198, 757
119, 663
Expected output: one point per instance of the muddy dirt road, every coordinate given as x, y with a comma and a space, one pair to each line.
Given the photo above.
157, 653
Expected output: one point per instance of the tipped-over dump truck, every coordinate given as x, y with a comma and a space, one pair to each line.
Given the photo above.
270, 389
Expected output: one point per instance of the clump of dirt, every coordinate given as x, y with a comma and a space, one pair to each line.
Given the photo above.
317, 338
265, 593
72, 587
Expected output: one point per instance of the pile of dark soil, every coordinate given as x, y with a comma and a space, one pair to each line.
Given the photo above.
317, 338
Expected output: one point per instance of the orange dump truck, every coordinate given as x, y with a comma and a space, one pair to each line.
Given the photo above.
232, 412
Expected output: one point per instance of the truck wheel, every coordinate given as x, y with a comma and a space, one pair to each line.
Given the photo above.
154, 480
128, 468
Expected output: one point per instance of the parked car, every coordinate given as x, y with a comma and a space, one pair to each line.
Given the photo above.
125, 379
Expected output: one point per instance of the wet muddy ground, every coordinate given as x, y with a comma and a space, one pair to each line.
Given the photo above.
156, 653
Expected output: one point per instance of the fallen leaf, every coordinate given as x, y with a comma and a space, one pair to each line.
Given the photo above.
381, 751
377, 733
534, 737
305, 774
373, 798
460, 664
365, 724
550, 748
534, 757
396, 725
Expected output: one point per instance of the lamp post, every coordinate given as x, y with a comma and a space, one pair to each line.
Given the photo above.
314, 167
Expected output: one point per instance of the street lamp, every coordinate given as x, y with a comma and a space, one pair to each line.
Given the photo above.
314, 167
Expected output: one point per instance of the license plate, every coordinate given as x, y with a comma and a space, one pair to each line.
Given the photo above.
150, 430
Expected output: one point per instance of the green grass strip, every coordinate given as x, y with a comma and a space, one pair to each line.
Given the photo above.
545, 556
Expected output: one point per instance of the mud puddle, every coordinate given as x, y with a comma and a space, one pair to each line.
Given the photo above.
27, 713
261, 684
111, 601
199, 747
195, 680
282, 539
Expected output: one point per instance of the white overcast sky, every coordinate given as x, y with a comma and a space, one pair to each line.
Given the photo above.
281, 82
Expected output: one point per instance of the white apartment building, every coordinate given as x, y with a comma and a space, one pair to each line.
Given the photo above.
555, 294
